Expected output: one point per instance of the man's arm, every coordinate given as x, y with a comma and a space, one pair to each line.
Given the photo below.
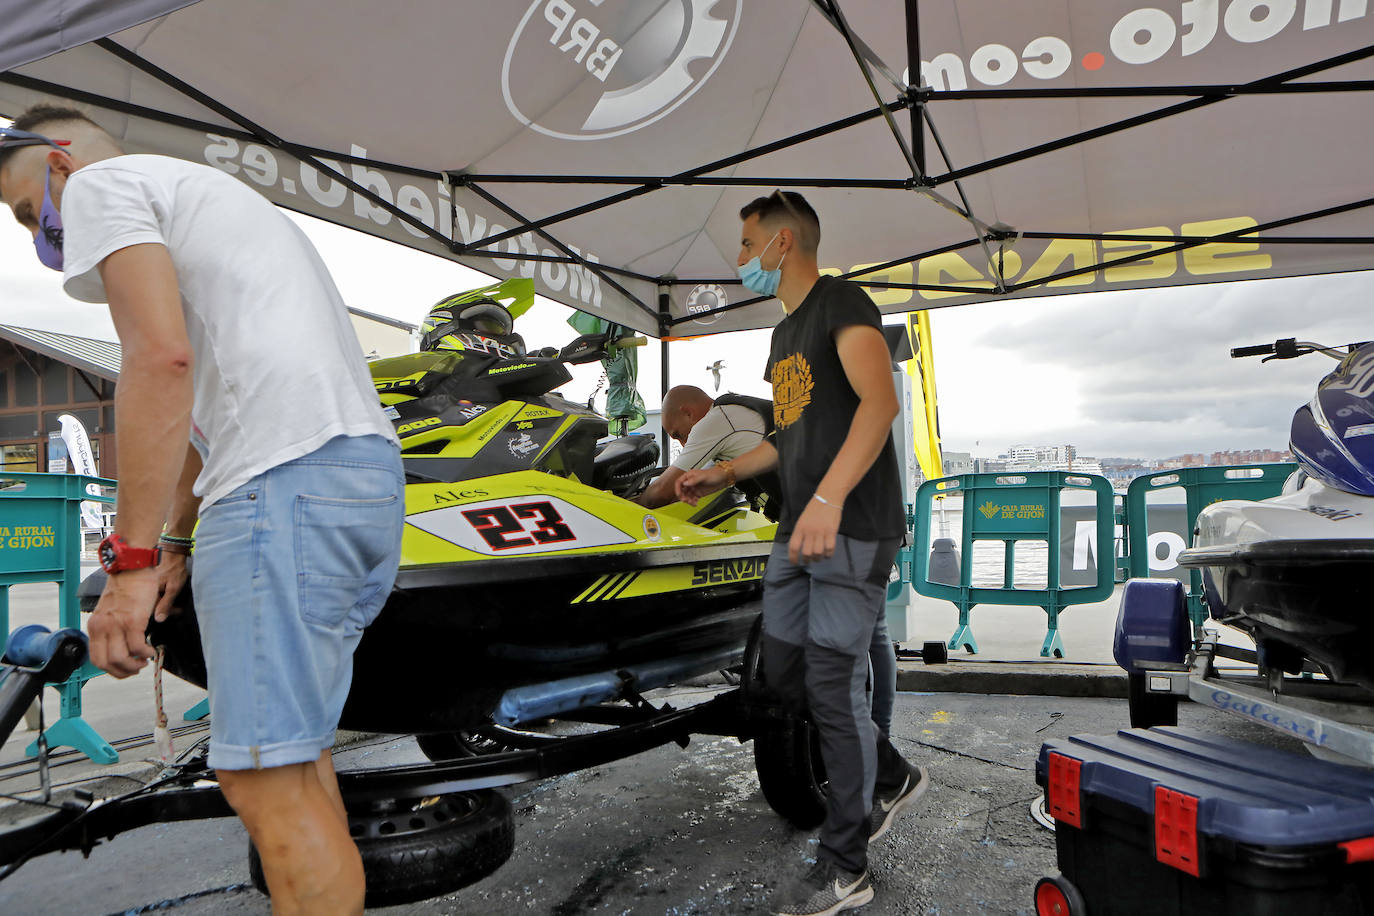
662, 490
153, 413
693, 485
867, 365
181, 522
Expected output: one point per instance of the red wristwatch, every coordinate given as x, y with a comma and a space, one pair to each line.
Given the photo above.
117, 556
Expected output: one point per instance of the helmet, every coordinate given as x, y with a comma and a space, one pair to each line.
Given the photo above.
1333, 436
484, 326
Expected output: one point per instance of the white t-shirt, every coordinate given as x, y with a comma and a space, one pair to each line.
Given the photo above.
278, 369
722, 434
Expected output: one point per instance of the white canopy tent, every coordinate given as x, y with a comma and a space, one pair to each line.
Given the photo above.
604, 147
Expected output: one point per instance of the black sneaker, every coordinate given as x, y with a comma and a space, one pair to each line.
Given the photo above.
887, 805
825, 890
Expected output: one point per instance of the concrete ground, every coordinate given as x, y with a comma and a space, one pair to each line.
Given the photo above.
670, 831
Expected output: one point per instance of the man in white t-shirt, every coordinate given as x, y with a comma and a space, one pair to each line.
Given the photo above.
707, 433
235, 340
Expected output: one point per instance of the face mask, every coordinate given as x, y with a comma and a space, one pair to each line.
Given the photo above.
48, 241
756, 279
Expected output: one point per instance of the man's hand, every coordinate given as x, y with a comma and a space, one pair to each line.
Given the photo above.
171, 577
116, 628
813, 538
693, 485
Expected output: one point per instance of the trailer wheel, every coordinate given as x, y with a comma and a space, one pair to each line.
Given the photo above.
416, 851
787, 750
934, 653
1149, 709
1056, 896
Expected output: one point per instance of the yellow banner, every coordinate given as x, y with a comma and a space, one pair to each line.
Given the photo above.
925, 419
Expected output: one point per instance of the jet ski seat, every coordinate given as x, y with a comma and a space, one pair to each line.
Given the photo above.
623, 465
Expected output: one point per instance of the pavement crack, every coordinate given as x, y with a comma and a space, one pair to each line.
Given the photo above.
172, 903
950, 750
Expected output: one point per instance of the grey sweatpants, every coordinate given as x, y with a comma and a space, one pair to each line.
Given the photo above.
818, 622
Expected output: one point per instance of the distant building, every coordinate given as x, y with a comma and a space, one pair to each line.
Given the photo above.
958, 463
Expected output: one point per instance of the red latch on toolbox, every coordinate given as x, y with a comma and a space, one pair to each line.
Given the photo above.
1361, 850
1062, 793
1176, 830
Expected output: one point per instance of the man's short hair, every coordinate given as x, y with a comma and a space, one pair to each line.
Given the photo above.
791, 209
35, 118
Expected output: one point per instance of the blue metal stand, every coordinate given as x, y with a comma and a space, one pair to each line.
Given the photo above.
198, 711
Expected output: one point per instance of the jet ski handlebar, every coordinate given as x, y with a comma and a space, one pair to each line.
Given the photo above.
1291, 348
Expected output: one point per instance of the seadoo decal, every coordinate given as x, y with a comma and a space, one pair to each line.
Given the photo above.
646, 59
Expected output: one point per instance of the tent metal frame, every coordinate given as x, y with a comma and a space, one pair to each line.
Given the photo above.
917, 100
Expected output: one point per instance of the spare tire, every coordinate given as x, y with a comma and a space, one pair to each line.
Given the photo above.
424, 849
787, 750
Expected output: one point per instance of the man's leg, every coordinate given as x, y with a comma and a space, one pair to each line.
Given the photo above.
835, 690
324, 769
785, 591
310, 862
883, 659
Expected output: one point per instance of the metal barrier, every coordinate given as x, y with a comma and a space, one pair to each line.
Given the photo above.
40, 541
1201, 488
1012, 508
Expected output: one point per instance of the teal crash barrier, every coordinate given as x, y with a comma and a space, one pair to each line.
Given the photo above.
40, 541
1201, 488
1012, 509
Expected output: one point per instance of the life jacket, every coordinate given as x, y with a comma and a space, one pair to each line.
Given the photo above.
763, 490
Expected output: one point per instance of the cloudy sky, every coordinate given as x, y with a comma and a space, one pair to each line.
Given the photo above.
1141, 374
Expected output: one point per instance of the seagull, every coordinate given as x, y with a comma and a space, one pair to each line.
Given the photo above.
715, 368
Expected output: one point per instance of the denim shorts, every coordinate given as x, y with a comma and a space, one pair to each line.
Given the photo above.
289, 569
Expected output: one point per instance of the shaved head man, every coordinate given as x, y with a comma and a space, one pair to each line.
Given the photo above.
709, 430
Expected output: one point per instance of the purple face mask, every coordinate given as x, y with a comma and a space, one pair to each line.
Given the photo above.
48, 241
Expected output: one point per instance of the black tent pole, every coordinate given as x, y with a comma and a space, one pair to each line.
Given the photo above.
665, 328
913, 79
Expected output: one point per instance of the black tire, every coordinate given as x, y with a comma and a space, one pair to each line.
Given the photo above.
934, 653
787, 752
425, 850
1149, 709
1068, 901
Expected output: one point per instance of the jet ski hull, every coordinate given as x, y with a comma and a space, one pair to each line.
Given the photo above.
453, 639
1297, 573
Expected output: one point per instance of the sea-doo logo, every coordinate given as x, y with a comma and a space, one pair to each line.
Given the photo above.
704, 300
728, 570
631, 63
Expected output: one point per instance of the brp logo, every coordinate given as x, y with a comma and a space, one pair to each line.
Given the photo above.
628, 62
704, 300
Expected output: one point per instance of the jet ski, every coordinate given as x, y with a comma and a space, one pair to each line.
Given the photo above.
530, 584
1297, 571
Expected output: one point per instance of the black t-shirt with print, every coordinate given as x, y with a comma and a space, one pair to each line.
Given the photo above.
813, 407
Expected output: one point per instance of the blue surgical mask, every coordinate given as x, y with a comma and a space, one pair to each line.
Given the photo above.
756, 279
48, 241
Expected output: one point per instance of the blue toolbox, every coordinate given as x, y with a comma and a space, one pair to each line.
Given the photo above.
1173, 821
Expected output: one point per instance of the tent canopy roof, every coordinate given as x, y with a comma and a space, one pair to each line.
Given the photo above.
605, 148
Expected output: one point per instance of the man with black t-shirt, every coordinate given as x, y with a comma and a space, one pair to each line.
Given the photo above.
841, 525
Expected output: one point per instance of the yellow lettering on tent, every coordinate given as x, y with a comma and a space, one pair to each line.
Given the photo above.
901, 273
1076, 253
1223, 257
1157, 268
948, 269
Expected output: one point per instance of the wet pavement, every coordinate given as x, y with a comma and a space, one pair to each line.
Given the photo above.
671, 831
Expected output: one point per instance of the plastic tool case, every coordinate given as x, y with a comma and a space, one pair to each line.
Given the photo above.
1172, 820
